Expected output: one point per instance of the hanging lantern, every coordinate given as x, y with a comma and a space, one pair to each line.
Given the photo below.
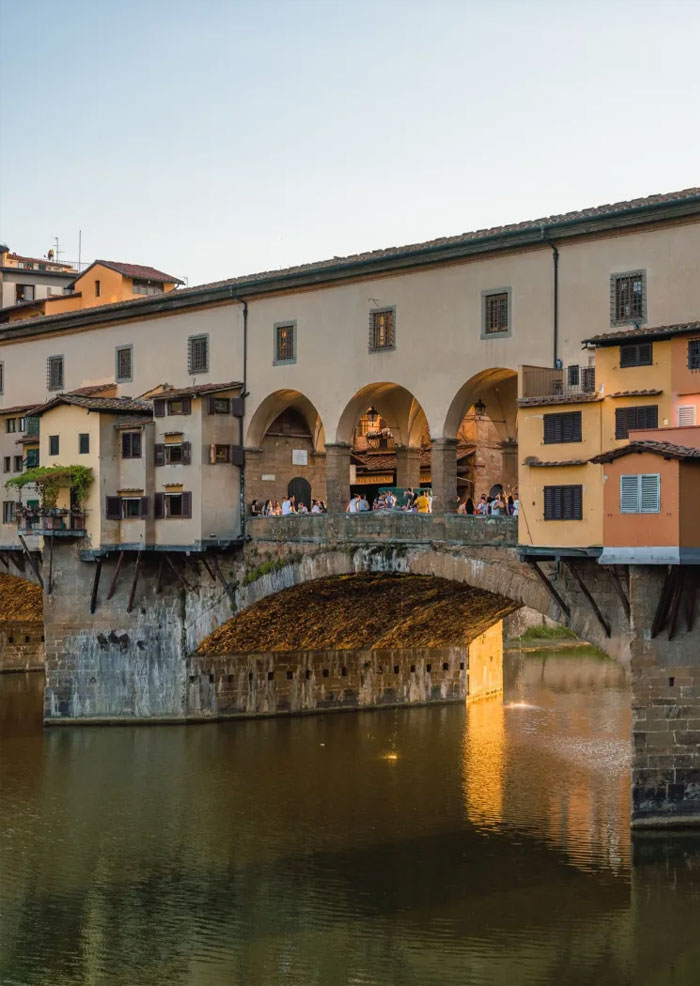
372, 416
479, 408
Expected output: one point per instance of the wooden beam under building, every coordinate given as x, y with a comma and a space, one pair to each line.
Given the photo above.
620, 590
95, 585
31, 561
550, 588
228, 588
115, 577
589, 596
137, 566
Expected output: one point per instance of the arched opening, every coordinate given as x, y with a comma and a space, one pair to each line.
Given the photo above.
285, 445
299, 488
21, 624
387, 433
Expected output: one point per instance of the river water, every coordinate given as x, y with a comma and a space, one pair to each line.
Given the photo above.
428, 846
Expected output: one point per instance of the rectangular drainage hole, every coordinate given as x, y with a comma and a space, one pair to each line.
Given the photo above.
250, 676
413, 669
445, 666
344, 672
270, 675
230, 679
211, 679
671, 682
428, 668
307, 673
461, 665
290, 675
396, 669
325, 672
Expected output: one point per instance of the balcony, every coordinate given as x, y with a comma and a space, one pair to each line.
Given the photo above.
549, 382
64, 523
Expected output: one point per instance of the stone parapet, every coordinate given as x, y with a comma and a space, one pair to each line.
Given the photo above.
391, 526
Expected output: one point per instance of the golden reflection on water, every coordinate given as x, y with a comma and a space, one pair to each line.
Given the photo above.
483, 761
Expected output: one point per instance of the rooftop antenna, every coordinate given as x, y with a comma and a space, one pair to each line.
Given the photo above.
57, 250
80, 247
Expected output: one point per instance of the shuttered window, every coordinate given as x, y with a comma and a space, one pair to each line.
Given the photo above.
125, 507
173, 505
124, 364
687, 415
131, 445
640, 493
563, 502
562, 427
54, 373
630, 418
198, 354
635, 354
694, 354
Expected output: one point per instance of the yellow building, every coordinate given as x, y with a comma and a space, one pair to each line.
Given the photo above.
104, 282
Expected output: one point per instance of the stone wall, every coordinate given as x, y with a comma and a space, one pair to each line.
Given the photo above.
270, 469
21, 645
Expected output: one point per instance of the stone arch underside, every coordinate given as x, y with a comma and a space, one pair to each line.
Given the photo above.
497, 387
273, 405
20, 599
402, 412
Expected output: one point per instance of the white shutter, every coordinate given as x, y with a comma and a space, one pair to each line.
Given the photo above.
629, 494
687, 415
650, 485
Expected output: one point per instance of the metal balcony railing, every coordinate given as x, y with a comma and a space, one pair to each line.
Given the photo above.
38, 521
550, 382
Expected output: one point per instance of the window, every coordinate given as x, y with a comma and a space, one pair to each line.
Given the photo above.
640, 494
173, 454
635, 354
131, 445
98, 289
563, 502
18, 463
32, 426
148, 287
176, 505
628, 297
219, 453
285, 342
694, 354
219, 405
495, 318
24, 292
32, 459
124, 364
10, 425
8, 512
53, 444
54, 373
125, 507
562, 427
382, 329
2, 378
21, 424
177, 406
198, 354
131, 506
630, 418
7, 464
83, 444
687, 415
574, 376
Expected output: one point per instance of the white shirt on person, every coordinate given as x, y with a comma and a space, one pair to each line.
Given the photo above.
286, 507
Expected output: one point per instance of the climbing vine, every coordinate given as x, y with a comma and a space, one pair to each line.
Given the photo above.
50, 479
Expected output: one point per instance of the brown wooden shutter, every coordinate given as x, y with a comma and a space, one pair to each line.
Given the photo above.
186, 453
160, 455
144, 506
237, 407
159, 505
186, 405
211, 405
136, 445
186, 504
237, 455
113, 508
159, 409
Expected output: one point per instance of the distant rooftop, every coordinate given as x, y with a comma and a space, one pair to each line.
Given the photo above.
137, 271
642, 332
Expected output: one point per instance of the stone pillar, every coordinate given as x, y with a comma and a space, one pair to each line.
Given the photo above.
337, 478
443, 470
408, 467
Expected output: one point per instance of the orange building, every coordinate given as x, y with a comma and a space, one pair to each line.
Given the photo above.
104, 282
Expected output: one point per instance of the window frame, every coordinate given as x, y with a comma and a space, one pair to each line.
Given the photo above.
2, 377
620, 427
560, 418
500, 333
288, 324
615, 280
83, 435
191, 341
571, 514
18, 463
50, 362
640, 477
640, 347
694, 358
127, 439
9, 511
10, 426
54, 439
119, 378
373, 314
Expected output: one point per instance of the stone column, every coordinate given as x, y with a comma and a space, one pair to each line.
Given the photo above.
408, 467
443, 470
337, 478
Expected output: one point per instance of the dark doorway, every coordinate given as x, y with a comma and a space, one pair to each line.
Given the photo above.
300, 489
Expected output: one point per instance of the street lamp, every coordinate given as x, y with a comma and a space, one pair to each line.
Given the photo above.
479, 408
372, 416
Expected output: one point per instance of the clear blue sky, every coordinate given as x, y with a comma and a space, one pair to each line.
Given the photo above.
213, 138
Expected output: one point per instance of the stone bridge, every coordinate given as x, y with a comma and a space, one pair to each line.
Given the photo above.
121, 629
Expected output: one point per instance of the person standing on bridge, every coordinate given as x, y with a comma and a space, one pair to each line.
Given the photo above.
353, 506
286, 506
422, 503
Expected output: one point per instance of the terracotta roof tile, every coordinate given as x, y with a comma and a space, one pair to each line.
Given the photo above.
91, 390
644, 332
551, 462
666, 449
636, 393
194, 391
17, 409
558, 399
114, 405
138, 271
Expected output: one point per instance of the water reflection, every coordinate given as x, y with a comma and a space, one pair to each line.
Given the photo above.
485, 844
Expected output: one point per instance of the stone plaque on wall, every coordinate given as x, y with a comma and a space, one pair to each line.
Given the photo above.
268, 477
300, 457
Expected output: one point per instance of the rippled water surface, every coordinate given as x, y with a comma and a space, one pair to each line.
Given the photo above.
443, 845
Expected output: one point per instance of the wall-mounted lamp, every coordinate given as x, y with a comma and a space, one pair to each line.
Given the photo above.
372, 415
479, 408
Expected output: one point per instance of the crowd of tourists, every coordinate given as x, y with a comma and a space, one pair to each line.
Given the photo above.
413, 501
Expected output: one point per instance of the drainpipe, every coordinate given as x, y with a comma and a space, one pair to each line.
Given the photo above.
555, 272
244, 394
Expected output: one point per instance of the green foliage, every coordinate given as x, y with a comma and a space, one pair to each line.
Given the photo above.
549, 633
272, 565
50, 479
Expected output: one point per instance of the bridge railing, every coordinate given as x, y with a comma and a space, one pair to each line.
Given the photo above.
385, 526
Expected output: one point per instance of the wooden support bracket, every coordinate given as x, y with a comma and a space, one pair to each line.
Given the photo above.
31, 561
95, 585
4, 560
178, 574
137, 566
227, 586
159, 577
50, 587
620, 590
550, 588
676, 601
208, 567
115, 577
690, 600
664, 601
587, 593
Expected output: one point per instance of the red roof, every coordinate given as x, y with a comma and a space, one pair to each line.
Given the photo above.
202, 388
137, 271
666, 449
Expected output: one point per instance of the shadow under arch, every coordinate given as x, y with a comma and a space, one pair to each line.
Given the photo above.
396, 404
20, 599
273, 405
498, 388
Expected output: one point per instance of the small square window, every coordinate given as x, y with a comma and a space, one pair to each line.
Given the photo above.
53, 444
10, 425
222, 453
54, 373
628, 301
8, 512
98, 289
496, 312
7, 463
83, 444
18, 463
124, 364
131, 506
131, 445
694, 354
285, 342
382, 329
198, 354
